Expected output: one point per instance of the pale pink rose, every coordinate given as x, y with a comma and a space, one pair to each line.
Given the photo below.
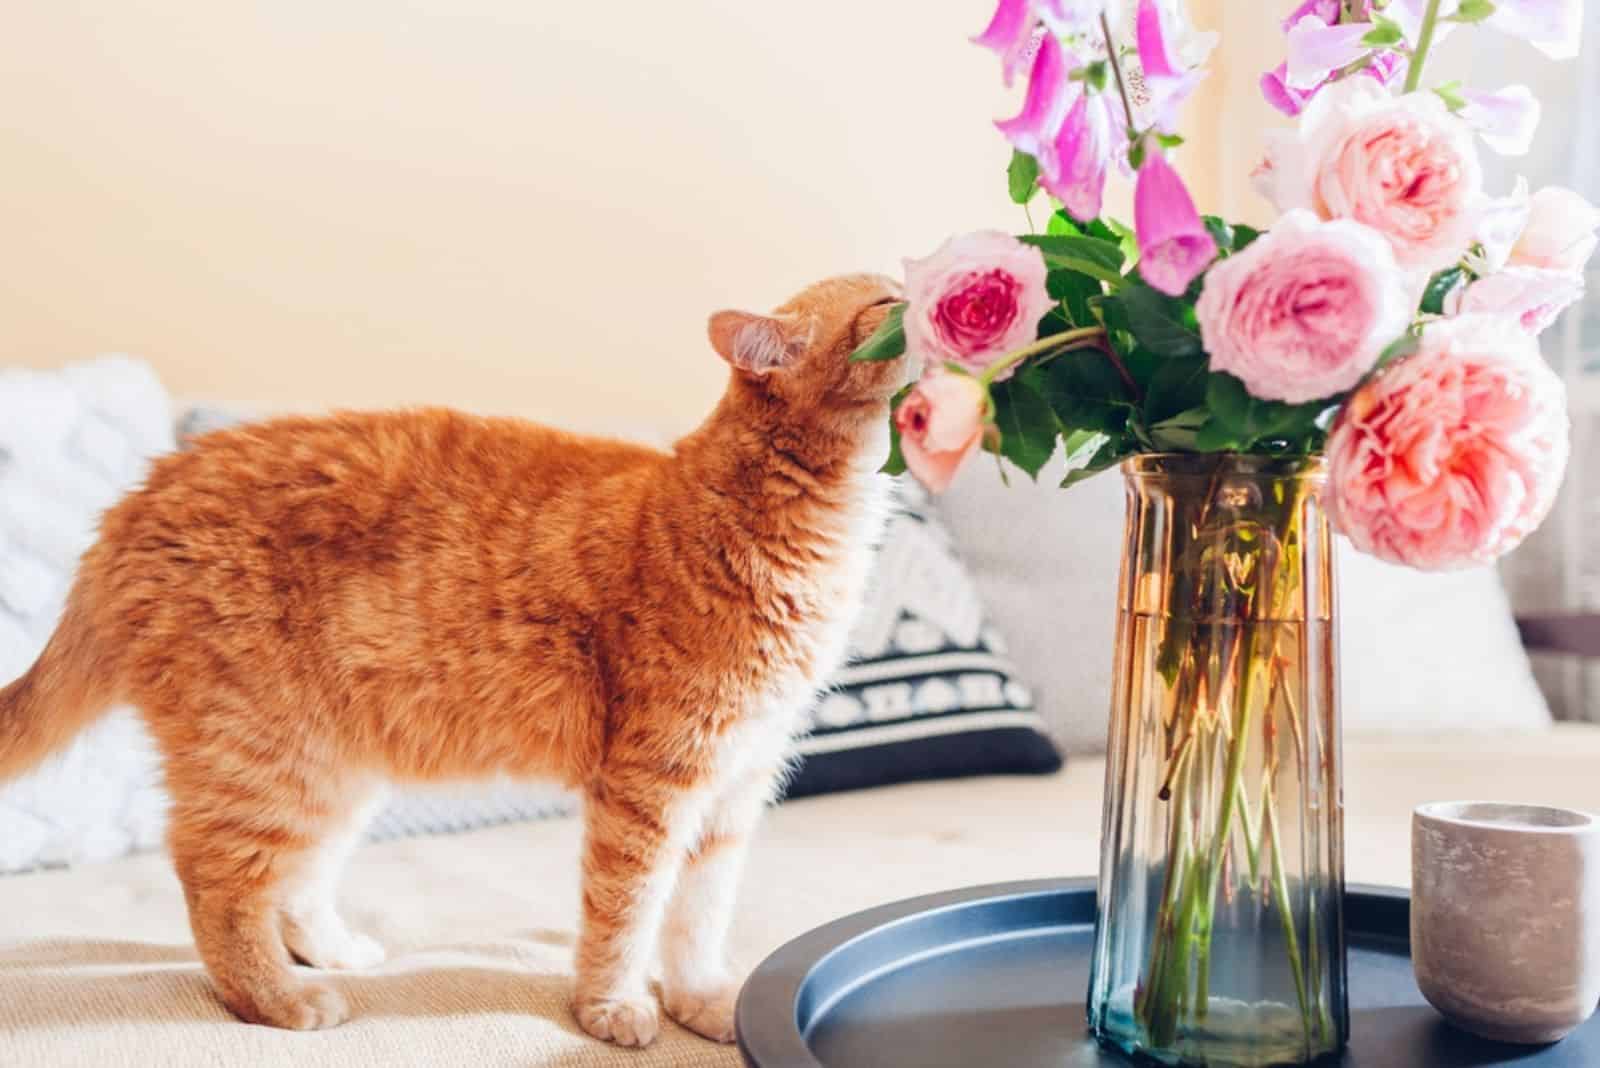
1451, 456
975, 299
1404, 166
1560, 232
941, 423
1533, 296
1305, 311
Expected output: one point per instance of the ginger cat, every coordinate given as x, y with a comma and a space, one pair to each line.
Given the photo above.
308, 609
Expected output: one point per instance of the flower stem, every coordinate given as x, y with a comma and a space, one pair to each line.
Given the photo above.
1068, 337
1430, 18
1116, 70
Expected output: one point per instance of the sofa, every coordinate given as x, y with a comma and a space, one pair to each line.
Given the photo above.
97, 967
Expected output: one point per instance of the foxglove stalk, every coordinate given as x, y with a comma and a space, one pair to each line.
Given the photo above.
1506, 120
1033, 130
1009, 34
1174, 245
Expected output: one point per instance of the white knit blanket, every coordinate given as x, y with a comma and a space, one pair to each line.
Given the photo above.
71, 443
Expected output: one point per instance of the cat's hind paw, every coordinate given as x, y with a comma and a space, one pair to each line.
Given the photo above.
708, 1013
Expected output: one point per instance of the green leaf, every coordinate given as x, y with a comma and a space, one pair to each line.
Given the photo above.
1178, 385
895, 464
1230, 403
1473, 11
1111, 450
888, 342
1385, 33
1215, 437
1244, 421
1220, 232
1022, 176
1450, 93
1085, 392
1244, 236
1178, 433
1163, 324
1086, 255
1397, 349
1027, 424
1061, 223
1074, 290
1439, 287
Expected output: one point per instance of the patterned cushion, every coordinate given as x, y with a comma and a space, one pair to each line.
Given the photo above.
928, 693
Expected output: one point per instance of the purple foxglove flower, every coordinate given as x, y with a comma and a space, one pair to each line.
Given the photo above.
1070, 16
1317, 49
1033, 130
1552, 26
1326, 10
1174, 246
1166, 81
1010, 35
1082, 150
1506, 120
1283, 96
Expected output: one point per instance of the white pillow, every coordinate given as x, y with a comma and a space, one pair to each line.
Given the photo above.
1418, 651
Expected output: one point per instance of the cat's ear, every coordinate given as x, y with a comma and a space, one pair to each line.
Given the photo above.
759, 344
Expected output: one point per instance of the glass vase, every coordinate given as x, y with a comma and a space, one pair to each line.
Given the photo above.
1220, 933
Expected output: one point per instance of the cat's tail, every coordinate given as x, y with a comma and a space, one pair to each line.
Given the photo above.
59, 696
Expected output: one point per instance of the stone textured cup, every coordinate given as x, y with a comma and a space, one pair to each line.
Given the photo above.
1505, 916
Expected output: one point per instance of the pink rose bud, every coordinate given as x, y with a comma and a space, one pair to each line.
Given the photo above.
1451, 456
1404, 166
1560, 232
941, 423
1174, 245
974, 300
1305, 311
1533, 296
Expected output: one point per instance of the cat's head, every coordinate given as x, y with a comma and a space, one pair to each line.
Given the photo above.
800, 352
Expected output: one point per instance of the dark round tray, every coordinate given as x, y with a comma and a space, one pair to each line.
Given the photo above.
994, 977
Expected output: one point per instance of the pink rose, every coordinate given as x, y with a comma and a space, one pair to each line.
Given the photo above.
975, 299
1560, 231
941, 423
1305, 311
1453, 455
1402, 165
1533, 296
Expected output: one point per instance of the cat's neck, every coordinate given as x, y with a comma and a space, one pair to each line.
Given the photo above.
776, 469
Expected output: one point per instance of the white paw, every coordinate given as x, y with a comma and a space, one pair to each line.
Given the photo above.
708, 1013
332, 946
631, 1021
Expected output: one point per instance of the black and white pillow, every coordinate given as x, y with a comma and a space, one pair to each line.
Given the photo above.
928, 692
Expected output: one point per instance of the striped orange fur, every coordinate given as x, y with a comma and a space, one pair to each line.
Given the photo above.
307, 610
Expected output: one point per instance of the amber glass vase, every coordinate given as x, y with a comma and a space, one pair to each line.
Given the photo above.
1220, 934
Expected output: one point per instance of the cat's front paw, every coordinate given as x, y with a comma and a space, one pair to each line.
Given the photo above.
707, 1012
632, 1021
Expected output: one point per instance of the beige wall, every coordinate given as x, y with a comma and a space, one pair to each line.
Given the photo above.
515, 205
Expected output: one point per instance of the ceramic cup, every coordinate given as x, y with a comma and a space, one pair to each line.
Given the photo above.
1505, 916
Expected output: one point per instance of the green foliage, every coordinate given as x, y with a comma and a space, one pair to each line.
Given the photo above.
895, 464
1242, 423
1473, 11
1177, 385
1450, 93
1230, 237
1092, 256
1439, 287
1385, 33
1398, 349
1164, 325
1023, 177
888, 342
1027, 425
1102, 452
1074, 291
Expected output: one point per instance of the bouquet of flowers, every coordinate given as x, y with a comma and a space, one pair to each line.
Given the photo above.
1382, 334
1388, 320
